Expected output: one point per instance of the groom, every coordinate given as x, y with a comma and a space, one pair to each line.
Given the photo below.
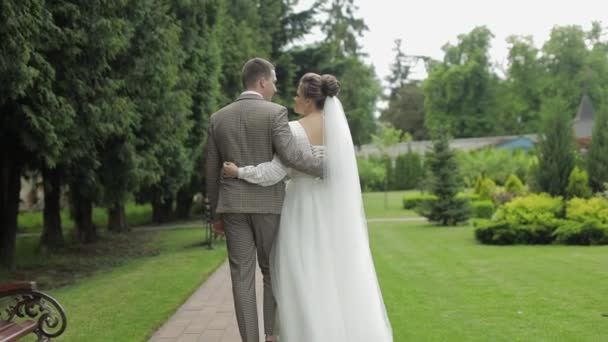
250, 131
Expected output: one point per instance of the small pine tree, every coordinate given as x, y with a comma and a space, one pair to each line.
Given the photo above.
445, 183
556, 150
597, 159
578, 184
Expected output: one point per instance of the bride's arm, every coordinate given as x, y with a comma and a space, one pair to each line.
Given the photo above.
264, 174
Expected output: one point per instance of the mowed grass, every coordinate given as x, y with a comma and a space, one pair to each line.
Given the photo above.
130, 300
32, 221
439, 284
375, 206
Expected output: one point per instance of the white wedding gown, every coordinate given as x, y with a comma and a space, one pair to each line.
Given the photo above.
324, 283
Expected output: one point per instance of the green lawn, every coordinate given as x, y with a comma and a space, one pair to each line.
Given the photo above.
439, 284
130, 302
374, 205
137, 214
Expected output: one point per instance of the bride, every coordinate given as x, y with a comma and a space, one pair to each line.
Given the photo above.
323, 276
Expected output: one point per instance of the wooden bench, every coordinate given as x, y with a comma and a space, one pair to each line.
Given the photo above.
24, 310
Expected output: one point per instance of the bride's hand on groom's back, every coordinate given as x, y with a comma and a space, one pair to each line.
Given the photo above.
230, 170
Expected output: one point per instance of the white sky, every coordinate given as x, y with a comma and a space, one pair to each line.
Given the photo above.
426, 25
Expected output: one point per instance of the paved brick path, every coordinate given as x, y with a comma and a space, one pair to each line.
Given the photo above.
208, 315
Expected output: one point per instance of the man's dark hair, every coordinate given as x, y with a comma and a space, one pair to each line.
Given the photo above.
255, 69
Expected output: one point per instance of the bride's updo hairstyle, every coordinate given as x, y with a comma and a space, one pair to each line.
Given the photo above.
318, 88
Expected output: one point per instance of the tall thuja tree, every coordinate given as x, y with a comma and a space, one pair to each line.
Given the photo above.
201, 34
461, 91
283, 28
131, 158
444, 182
95, 34
556, 148
33, 118
242, 39
160, 88
597, 159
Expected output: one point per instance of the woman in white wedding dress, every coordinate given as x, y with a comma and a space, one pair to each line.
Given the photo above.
323, 276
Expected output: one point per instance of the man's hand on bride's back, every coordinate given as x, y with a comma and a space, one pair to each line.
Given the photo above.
230, 170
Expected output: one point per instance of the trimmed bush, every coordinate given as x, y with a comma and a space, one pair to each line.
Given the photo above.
582, 233
503, 233
581, 210
530, 209
483, 209
413, 201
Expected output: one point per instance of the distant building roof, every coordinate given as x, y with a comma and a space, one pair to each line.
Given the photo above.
583, 122
521, 142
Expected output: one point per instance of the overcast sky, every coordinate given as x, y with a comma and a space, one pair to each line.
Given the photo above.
426, 25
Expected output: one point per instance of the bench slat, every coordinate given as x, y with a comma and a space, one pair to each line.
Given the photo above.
16, 331
5, 325
17, 285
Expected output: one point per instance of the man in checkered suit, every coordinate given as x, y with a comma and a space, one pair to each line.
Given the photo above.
250, 131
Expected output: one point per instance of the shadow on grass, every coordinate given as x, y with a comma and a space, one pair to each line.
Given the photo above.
53, 269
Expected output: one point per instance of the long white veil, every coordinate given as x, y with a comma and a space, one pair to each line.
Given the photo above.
360, 299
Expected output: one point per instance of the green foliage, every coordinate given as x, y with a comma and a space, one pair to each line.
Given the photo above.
371, 174
415, 201
597, 159
578, 184
531, 209
486, 189
581, 209
514, 185
582, 233
445, 183
555, 148
500, 232
482, 209
496, 164
461, 91
409, 171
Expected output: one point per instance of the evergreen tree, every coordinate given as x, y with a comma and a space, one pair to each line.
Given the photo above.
597, 158
33, 117
444, 183
556, 148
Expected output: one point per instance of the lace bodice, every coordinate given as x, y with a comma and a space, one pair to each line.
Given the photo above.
317, 151
272, 172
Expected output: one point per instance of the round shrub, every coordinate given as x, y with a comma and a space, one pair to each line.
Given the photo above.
483, 209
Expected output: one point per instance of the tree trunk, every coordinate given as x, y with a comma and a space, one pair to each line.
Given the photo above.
10, 186
184, 203
117, 219
161, 210
52, 233
82, 212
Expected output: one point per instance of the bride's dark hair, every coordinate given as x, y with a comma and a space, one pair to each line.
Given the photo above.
318, 88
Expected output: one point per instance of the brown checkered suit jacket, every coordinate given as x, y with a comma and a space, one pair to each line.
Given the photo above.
250, 131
